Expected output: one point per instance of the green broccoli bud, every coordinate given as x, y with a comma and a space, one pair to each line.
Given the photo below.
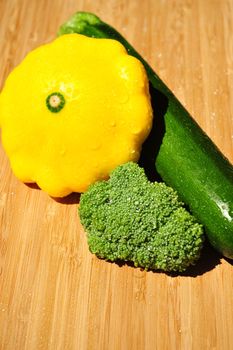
131, 219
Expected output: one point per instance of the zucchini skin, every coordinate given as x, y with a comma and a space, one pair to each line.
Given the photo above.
186, 159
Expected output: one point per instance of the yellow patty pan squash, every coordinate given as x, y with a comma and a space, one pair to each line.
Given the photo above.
72, 111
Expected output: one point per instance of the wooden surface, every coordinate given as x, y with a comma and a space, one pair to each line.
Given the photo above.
53, 293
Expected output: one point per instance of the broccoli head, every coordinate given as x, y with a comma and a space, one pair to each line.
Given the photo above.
128, 218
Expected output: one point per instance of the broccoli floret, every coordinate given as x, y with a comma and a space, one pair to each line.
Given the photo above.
131, 219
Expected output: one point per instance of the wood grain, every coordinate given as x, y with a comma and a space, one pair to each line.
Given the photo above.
53, 293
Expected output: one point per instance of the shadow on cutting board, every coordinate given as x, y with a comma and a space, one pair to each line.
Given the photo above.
230, 261
72, 198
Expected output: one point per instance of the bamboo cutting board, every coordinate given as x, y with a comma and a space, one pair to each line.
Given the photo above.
53, 293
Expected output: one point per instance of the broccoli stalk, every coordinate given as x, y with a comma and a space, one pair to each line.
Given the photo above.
131, 219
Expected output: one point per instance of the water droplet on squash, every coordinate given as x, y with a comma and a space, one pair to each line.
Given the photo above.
113, 123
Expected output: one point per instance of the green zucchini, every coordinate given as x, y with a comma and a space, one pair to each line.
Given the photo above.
186, 158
